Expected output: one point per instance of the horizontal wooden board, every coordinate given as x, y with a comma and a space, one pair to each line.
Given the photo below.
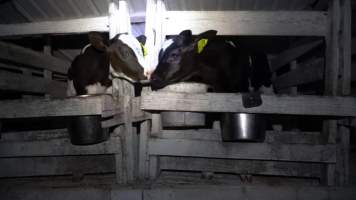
223, 102
32, 58
47, 166
57, 147
250, 192
305, 73
291, 54
269, 23
278, 137
25, 83
258, 151
56, 27
93, 105
255, 167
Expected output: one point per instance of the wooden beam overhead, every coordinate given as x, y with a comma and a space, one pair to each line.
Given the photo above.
268, 23
56, 27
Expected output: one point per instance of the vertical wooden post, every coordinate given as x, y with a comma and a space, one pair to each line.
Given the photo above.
338, 82
47, 49
143, 151
331, 78
119, 22
293, 66
344, 88
155, 32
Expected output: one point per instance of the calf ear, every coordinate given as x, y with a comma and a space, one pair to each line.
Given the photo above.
207, 34
142, 39
97, 40
184, 38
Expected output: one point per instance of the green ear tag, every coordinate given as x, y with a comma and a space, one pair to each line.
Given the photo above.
201, 44
144, 50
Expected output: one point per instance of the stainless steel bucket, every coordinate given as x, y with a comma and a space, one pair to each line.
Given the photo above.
86, 130
243, 127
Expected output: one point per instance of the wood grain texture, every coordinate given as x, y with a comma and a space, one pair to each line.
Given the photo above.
257, 151
57, 147
291, 54
94, 105
32, 58
28, 83
241, 166
272, 137
220, 102
305, 73
269, 23
47, 166
56, 27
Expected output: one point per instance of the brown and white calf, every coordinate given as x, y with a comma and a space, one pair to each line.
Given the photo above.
90, 72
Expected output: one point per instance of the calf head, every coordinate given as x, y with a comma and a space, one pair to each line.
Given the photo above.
178, 59
126, 54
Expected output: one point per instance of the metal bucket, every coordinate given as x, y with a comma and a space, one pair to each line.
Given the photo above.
86, 130
243, 127
184, 119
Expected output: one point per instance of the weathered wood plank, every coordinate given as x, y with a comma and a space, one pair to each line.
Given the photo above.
27, 83
57, 147
34, 135
288, 23
143, 156
220, 102
241, 166
332, 66
56, 27
291, 54
305, 73
258, 151
251, 192
346, 47
47, 166
272, 137
94, 105
26, 56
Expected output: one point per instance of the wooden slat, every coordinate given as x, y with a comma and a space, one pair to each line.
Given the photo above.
271, 23
56, 27
251, 192
26, 83
346, 48
57, 147
95, 105
26, 56
272, 137
241, 166
47, 166
258, 151
220, 102
305, 73
291, 54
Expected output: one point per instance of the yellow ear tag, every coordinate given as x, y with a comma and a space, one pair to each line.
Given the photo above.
144, 50
201, 44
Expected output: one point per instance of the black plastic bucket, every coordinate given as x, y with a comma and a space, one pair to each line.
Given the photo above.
87, 130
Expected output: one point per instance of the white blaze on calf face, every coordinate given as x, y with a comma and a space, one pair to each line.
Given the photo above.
135, 45
166, 44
